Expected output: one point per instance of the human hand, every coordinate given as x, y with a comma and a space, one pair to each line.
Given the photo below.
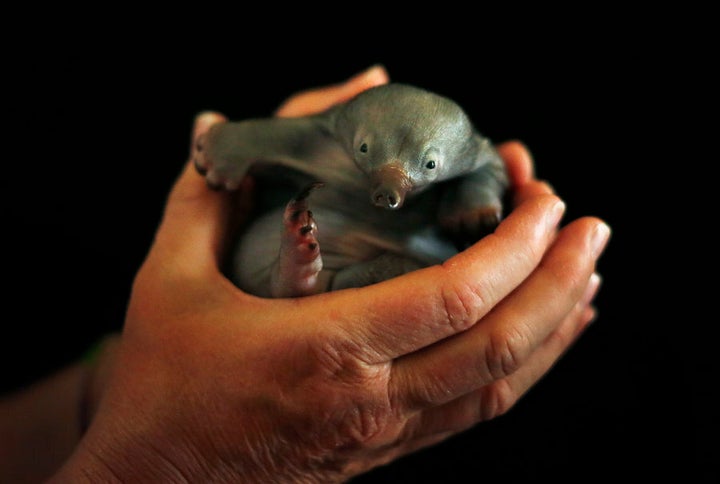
211, 383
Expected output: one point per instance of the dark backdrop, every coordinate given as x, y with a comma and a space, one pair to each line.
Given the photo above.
99, 131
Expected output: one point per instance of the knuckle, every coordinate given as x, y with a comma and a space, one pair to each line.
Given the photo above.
560, 339
431, 389
339, 363
463, 305
505, 351
363, 424
350, 398
497, 399
333, 399
569, 278
334, 359
533, 250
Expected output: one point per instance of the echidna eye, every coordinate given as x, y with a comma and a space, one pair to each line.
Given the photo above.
430, 164
363, 148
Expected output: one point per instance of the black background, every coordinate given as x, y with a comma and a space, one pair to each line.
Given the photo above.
99, 129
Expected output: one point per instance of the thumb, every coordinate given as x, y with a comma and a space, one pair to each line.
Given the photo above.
319, 99
196, 221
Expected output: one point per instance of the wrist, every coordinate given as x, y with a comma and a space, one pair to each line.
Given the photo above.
98, 360
42, 416
118, 459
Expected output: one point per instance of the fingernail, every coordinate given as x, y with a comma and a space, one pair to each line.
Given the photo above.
599, 238
592, 288
375, 73
556, 213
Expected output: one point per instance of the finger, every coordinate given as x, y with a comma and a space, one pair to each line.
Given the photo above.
195, 223
515, 328
518, 161
187, 185
319, 99
531, 189
521, 171
202, 124
403, 314
497, 398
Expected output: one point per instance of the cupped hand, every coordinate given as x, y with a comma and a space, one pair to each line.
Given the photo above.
213, 384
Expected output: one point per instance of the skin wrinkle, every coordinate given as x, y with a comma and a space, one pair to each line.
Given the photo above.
501, 238
367, 423
481, 405
97, 454
216, 463
263, 455
464, 306
374, 332
505, 352
369, 417
480, 294
434, 387
365, 355
566, 334
497, 399
464, 410
568, 277
555, 342
333, 359
174, 471
199, 459
481, 374
305, 462
509, 348
569, 282
564, 337
379, 345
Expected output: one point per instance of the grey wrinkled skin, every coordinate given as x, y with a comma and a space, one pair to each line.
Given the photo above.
408, 181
